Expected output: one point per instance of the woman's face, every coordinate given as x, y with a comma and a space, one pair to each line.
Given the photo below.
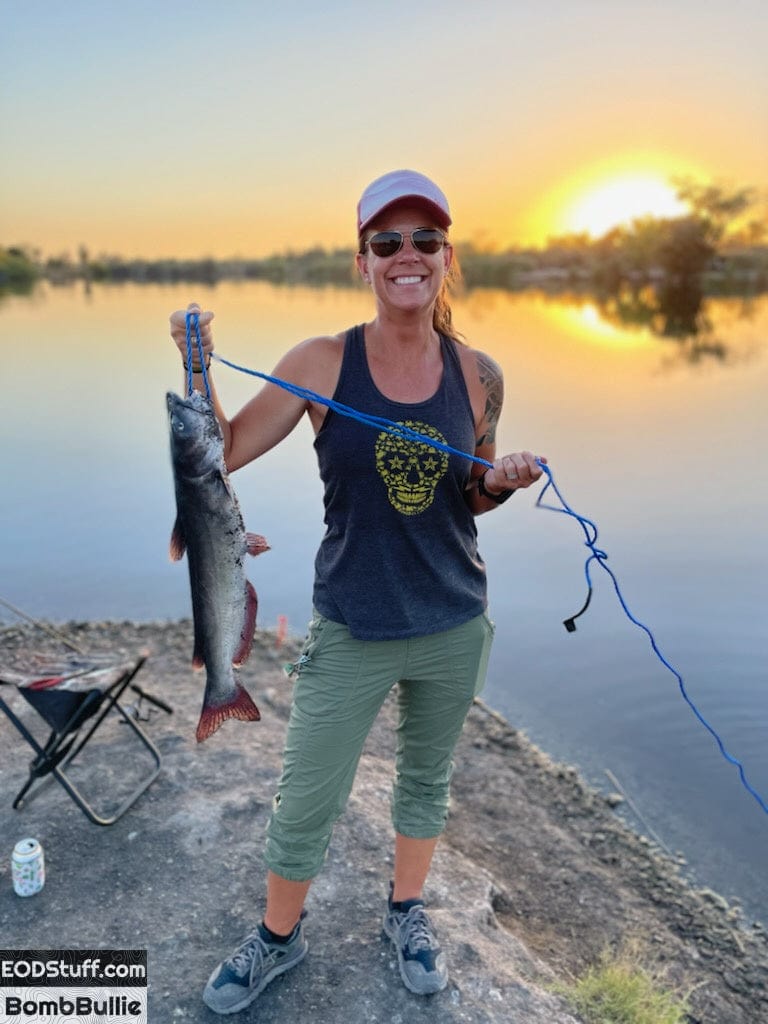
409, 280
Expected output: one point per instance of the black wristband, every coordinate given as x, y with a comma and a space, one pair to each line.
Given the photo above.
498, 499
197, 368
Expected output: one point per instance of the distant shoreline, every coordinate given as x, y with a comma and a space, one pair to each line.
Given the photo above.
743, 273
577, 265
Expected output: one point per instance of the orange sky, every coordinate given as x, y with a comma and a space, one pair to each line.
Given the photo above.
163, 130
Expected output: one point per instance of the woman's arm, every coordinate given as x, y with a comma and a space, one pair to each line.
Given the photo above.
489, 488
271, 414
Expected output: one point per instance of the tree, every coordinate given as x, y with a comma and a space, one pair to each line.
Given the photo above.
684, 250
714, 206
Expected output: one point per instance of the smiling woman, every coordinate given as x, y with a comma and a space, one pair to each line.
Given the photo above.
398, 563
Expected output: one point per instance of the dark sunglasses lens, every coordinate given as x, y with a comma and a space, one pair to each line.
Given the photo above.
428, 240
386, 243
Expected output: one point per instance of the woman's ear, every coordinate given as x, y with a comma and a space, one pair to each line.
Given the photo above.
362, 266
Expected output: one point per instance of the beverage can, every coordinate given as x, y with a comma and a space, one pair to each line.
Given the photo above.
28, 867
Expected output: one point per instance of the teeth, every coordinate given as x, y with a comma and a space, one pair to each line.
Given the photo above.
408, 280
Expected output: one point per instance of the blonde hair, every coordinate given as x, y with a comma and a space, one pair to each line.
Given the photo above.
442, 316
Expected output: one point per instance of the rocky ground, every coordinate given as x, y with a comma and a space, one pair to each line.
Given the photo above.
536, 874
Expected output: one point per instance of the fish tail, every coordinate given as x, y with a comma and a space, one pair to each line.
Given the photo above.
240, 706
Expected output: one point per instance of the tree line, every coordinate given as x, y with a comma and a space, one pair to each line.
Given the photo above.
720, 244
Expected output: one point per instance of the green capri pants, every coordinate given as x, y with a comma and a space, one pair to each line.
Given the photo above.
341, 684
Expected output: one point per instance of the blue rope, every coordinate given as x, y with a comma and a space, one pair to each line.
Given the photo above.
596, 555
587, 525
377, 422
193, 319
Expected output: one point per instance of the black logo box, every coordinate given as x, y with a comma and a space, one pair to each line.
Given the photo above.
73, 968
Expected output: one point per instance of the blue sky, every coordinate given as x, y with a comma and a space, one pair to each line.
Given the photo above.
175, 129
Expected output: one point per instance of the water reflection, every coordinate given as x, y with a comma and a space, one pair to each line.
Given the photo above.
17, 288
87, 515
674, 311
677, 312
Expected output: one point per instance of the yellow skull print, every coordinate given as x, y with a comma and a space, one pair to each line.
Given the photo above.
410, 469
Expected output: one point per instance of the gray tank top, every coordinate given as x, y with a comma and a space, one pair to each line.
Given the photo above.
399, 557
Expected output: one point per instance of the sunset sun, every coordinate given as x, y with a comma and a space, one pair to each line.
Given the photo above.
593, 197
600, 206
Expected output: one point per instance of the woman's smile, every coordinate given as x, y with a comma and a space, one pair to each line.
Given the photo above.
408, 279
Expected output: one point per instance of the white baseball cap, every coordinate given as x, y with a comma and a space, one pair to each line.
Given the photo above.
398, 185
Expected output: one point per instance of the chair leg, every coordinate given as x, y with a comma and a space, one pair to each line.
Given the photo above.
19, 799
60, 773
112, 703
40, 751
58, 752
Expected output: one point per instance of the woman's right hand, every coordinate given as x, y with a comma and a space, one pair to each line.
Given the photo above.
179, 332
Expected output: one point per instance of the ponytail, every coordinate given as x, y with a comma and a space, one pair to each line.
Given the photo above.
442, 317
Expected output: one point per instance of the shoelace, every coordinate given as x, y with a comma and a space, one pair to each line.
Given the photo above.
418, 931
253, 947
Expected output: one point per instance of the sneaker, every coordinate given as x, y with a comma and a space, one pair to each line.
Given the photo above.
419, 957
238, 981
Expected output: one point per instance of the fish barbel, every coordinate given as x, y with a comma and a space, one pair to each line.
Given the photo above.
209, 528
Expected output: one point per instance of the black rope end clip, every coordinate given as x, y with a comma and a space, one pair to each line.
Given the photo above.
570, 624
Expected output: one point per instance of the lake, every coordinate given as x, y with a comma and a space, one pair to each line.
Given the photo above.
662, 443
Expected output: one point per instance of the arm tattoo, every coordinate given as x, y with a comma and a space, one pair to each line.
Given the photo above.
493, 383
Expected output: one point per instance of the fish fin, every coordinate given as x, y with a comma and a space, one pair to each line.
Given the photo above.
178, 544
255, 544
222, 479
249, 625
241, 706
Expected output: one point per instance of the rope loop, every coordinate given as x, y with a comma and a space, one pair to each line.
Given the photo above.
193, 320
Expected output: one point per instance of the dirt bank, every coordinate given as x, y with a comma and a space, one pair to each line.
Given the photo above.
535, 876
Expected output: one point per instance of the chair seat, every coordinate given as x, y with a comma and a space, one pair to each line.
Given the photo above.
58, 688
73, 694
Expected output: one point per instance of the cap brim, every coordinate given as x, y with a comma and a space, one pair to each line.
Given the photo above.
437, 213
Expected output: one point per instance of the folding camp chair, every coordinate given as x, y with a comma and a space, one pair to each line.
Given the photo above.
74, 694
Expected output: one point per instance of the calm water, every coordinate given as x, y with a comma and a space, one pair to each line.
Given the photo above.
665, 451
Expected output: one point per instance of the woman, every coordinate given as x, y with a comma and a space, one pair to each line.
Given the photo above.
400, 589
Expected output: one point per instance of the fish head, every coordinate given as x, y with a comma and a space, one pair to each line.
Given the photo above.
197, 445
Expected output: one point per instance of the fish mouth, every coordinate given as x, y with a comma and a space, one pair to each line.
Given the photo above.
191, 402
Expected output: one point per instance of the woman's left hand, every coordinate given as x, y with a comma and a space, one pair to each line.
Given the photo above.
519, 469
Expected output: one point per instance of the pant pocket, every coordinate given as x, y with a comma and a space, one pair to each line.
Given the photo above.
485, 653
314, 635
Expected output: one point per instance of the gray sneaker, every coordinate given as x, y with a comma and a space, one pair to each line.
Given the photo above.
238, 981
419, 957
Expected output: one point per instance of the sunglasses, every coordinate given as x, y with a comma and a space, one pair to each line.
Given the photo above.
387, 243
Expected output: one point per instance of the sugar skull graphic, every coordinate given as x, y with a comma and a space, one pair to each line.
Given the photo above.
410, 470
